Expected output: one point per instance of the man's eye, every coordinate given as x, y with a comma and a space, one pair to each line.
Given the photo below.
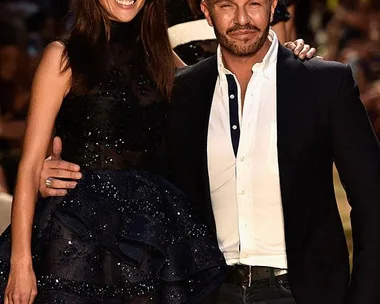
225, 5
254, 3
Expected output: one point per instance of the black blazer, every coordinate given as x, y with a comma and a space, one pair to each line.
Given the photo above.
320, 120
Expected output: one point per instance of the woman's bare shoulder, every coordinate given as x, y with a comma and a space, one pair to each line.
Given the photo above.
54, 53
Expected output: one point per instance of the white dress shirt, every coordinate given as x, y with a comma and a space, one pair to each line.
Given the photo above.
245, 189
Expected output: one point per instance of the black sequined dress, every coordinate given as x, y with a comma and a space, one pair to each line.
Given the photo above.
124, 234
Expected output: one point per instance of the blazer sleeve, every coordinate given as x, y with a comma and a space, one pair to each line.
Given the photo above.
357, 158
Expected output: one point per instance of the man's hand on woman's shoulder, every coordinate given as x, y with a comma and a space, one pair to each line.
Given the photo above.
301, 49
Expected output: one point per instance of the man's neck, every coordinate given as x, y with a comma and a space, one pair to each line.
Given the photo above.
241, 66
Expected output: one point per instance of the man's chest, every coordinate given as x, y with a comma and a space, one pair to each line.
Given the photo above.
241, 128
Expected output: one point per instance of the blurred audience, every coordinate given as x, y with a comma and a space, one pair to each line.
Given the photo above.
354, 38
14, 99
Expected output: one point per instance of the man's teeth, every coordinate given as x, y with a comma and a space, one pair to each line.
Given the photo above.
126, 2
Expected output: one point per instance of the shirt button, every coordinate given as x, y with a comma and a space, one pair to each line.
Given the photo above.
242, 192
242, 159
234, 127
232, 96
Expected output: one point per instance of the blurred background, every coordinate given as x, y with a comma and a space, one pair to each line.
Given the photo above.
343, 30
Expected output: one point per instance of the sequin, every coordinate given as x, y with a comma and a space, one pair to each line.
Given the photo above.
124, 233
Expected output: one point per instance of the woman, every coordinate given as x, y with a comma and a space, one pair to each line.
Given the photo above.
124, 234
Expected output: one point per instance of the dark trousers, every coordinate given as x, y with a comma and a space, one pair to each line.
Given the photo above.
261, 292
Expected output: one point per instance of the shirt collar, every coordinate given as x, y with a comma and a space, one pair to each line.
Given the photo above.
263, 66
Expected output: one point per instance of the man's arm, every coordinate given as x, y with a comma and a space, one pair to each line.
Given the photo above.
357, 157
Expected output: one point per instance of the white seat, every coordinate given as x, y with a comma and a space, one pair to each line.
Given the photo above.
190, 31
5, 211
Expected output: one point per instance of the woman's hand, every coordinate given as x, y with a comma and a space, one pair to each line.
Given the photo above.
22, 285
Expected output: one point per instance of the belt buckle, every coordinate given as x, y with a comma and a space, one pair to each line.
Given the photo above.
249, 276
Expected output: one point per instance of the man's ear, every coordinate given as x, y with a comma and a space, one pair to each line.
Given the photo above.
272, 9
206, 11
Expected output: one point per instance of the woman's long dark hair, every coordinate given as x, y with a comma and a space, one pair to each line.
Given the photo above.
86, 44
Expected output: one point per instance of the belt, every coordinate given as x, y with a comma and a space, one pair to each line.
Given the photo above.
246, 275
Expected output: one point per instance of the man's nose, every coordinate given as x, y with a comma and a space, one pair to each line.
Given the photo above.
241, 16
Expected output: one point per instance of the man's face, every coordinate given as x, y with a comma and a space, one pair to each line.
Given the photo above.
241, 26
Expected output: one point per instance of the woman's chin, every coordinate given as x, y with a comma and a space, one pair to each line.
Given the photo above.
123, 10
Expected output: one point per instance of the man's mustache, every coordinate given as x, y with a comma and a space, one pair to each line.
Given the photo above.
247, 27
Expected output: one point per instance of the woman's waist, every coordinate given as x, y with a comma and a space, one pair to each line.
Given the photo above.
108, 159
148, 162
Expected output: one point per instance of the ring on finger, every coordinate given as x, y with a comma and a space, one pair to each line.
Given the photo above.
48, 182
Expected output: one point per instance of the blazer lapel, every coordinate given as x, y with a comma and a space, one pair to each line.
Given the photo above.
202, 92
293, 120
207, 96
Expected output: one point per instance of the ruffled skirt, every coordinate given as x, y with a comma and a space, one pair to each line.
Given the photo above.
120, 237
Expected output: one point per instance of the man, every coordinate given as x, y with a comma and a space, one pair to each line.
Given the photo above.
259, 130
252, 137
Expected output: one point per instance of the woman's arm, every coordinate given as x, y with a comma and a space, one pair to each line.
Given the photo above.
50, 86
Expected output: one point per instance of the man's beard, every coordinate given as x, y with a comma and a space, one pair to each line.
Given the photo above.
247, 49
